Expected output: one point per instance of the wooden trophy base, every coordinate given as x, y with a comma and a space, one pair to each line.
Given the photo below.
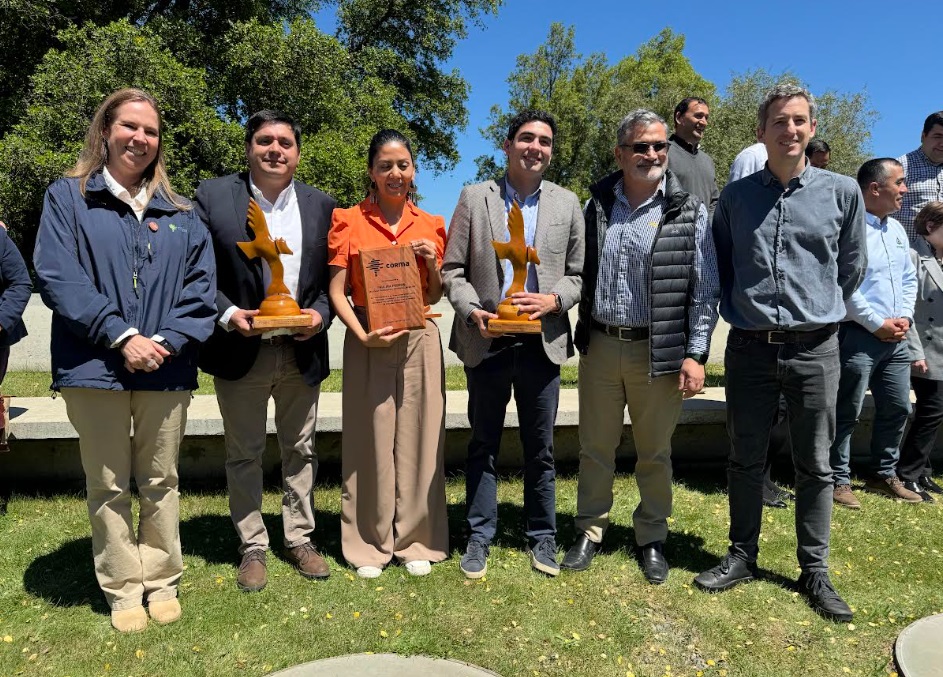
280, 312
510, 321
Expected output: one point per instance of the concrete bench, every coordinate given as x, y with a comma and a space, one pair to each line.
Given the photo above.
45, 445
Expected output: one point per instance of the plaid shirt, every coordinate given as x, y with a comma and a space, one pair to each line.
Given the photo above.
924, 184
622, 284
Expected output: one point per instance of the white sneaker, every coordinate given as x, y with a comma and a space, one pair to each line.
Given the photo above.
369, 572
418, 567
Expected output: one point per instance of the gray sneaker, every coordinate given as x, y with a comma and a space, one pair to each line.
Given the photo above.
543, 557
892, 487
475, 560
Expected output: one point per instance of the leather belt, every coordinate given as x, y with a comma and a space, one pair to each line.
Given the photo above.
786, 336
622, 333
277, 340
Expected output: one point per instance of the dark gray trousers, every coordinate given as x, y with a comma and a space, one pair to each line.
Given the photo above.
806, 375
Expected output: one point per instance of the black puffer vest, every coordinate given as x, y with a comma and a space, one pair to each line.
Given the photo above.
671, 275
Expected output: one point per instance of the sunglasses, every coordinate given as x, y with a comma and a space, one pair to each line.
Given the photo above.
642, 148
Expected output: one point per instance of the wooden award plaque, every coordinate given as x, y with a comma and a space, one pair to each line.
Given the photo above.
278, 310
393, 288
510, 321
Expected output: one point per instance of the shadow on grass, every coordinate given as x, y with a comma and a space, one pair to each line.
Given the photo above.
213, 537
65, 577
684, 551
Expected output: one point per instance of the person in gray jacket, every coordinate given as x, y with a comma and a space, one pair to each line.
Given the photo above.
925, 338
476, 281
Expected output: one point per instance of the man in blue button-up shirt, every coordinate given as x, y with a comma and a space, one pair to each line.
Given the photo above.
873, 350
791, 249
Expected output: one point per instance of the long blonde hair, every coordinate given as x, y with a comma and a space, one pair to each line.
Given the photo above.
94, 153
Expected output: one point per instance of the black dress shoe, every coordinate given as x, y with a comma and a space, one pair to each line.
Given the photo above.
654, 564
580, 555
919, 490
822, 597
773, 501
730, 572
929, 485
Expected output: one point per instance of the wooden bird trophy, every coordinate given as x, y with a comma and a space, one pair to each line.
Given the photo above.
278, 310
510, 320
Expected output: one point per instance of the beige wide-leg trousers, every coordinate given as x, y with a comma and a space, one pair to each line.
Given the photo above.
132, 568
614, 374
393, 494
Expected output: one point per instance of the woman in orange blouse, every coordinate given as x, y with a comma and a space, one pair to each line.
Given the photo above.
393, 495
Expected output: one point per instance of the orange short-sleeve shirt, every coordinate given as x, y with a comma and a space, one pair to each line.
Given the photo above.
363, 227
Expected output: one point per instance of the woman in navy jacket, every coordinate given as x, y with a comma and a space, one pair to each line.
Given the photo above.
127, 268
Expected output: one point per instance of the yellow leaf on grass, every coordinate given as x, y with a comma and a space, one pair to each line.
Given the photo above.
7, 639
383, 633
139, 653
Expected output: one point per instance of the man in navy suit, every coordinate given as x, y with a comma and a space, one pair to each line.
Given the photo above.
251, 365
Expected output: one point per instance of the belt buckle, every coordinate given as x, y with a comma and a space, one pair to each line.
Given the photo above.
627, 329
772, 341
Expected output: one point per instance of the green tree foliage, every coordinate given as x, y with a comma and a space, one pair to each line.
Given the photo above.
211, 63
30, 28
404, 42
589, 97
69, 85
339, 105
844, 121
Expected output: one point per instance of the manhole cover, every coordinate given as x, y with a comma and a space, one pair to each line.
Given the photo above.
919, 648
385, 665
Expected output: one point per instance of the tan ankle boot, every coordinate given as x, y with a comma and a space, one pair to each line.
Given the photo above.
129, 620
165, 611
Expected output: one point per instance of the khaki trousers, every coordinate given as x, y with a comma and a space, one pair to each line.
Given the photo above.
243, 404
130, 567
614, 374
393, 493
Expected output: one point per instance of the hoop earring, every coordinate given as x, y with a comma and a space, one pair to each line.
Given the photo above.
411, 194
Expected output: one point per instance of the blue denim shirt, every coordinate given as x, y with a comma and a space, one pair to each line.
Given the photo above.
789, 256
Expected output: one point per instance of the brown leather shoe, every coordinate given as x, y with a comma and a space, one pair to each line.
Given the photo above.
892, 487
252, 574
843, 496
308, 561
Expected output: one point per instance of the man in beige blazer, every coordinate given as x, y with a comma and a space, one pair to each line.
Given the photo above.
475, 282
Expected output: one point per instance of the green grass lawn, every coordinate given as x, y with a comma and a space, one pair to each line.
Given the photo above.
36, 383
886, 561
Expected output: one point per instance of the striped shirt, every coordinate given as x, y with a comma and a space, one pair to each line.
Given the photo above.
622, 285
924, 184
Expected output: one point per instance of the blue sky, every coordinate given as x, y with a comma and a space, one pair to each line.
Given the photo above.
890, 49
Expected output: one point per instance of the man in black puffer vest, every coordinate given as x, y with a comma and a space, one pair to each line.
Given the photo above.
647, 311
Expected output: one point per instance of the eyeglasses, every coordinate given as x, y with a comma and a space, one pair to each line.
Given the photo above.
642, 148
